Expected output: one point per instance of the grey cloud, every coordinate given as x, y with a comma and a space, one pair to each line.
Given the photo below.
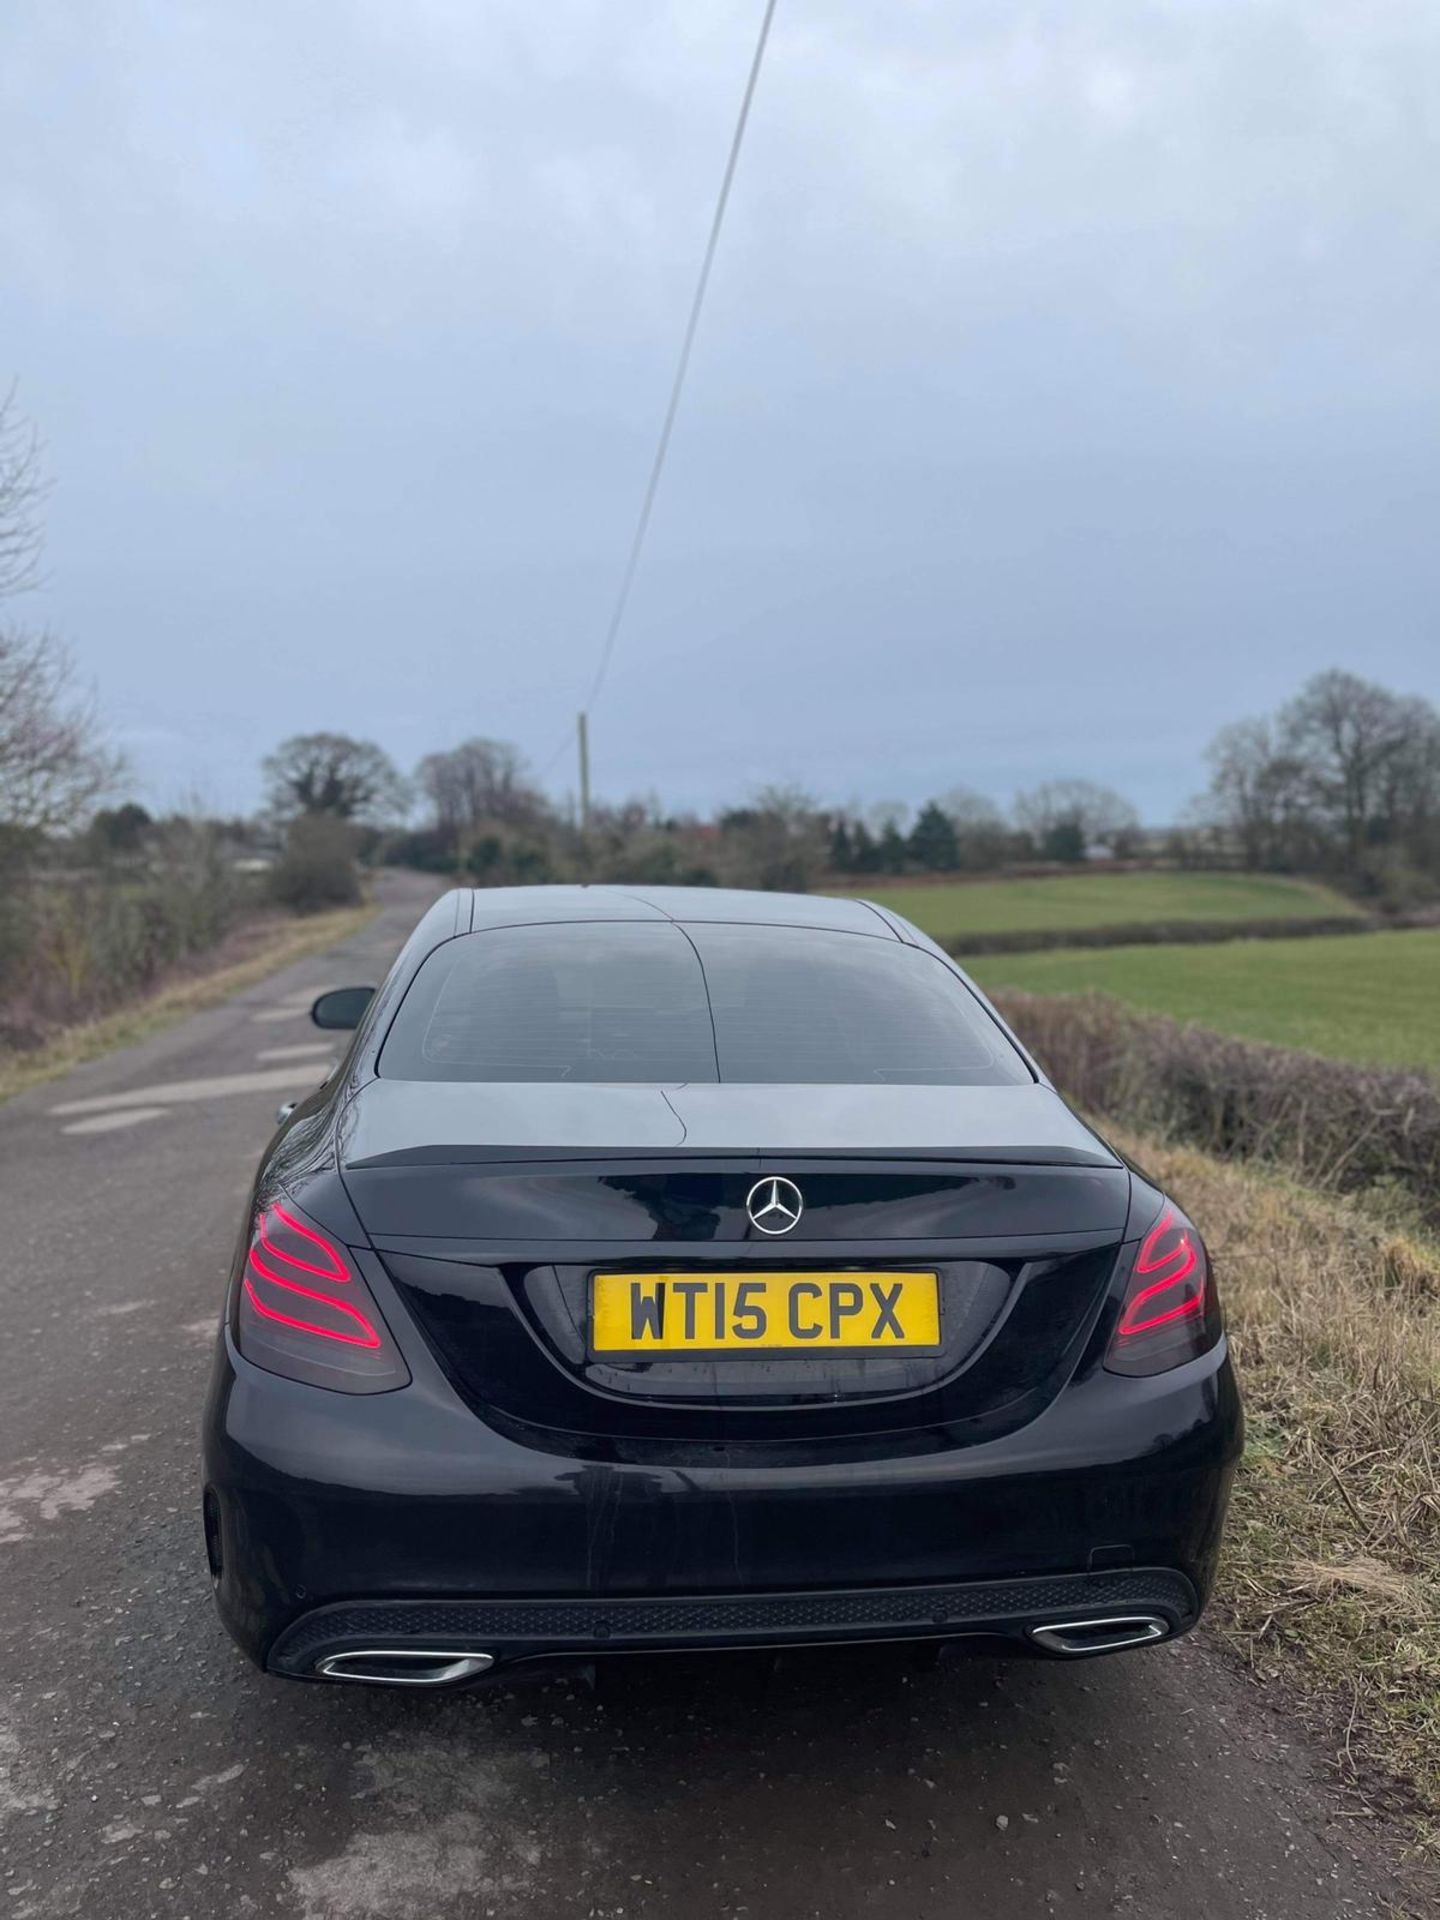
1068, 385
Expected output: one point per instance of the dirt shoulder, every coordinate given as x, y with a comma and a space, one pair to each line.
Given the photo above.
1330, 1590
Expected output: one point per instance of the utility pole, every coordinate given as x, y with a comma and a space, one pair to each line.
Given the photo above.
582, 727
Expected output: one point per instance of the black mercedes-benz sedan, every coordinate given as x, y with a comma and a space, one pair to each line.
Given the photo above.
670, 1268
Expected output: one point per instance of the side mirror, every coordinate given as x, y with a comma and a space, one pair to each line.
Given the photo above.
342, 1008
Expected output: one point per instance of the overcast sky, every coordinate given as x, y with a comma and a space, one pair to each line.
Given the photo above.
1069, 384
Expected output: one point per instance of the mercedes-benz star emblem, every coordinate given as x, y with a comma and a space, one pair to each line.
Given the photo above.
774, 1206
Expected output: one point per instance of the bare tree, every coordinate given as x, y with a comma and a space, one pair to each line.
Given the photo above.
1359, 743
331, 773
982, 839
22, 488
1410, 787
479, 783
967, 807
1077, 814
54, 764
777, 841
1346, 777
1261, 795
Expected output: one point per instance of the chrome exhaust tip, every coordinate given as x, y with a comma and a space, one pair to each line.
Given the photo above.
1101, 1636
403, 1666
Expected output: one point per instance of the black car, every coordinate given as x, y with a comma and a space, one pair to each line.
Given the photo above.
674, 1268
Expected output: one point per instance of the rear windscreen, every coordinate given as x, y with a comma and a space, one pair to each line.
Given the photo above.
649, 1001
795, 1004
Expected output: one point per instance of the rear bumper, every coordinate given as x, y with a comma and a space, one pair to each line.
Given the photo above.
320, 1502
512, 1633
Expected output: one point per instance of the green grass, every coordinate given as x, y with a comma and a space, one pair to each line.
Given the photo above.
948, 910
1372, 997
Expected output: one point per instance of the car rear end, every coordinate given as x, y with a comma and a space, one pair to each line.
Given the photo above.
577, 1399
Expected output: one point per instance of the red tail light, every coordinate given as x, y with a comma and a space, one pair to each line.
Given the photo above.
1169, 1313
305, 1312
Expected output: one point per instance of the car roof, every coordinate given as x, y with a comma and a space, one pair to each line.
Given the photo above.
528, 906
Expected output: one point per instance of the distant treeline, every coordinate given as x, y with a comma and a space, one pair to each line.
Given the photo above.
1342, 783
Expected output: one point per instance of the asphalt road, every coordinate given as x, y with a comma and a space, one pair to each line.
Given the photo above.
145, 1768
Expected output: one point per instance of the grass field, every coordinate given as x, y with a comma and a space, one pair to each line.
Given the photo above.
1373, 997
948, 911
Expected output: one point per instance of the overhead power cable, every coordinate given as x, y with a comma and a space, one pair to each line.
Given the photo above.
637, 543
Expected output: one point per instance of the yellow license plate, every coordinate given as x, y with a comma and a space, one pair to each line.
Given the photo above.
761, 1312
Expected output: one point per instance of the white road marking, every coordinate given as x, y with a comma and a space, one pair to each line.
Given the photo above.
178, 1092
310, 1048
292, 1007
109, 1122
208, 1781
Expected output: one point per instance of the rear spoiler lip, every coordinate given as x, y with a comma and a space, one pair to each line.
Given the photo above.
490, 1250
439, 1155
